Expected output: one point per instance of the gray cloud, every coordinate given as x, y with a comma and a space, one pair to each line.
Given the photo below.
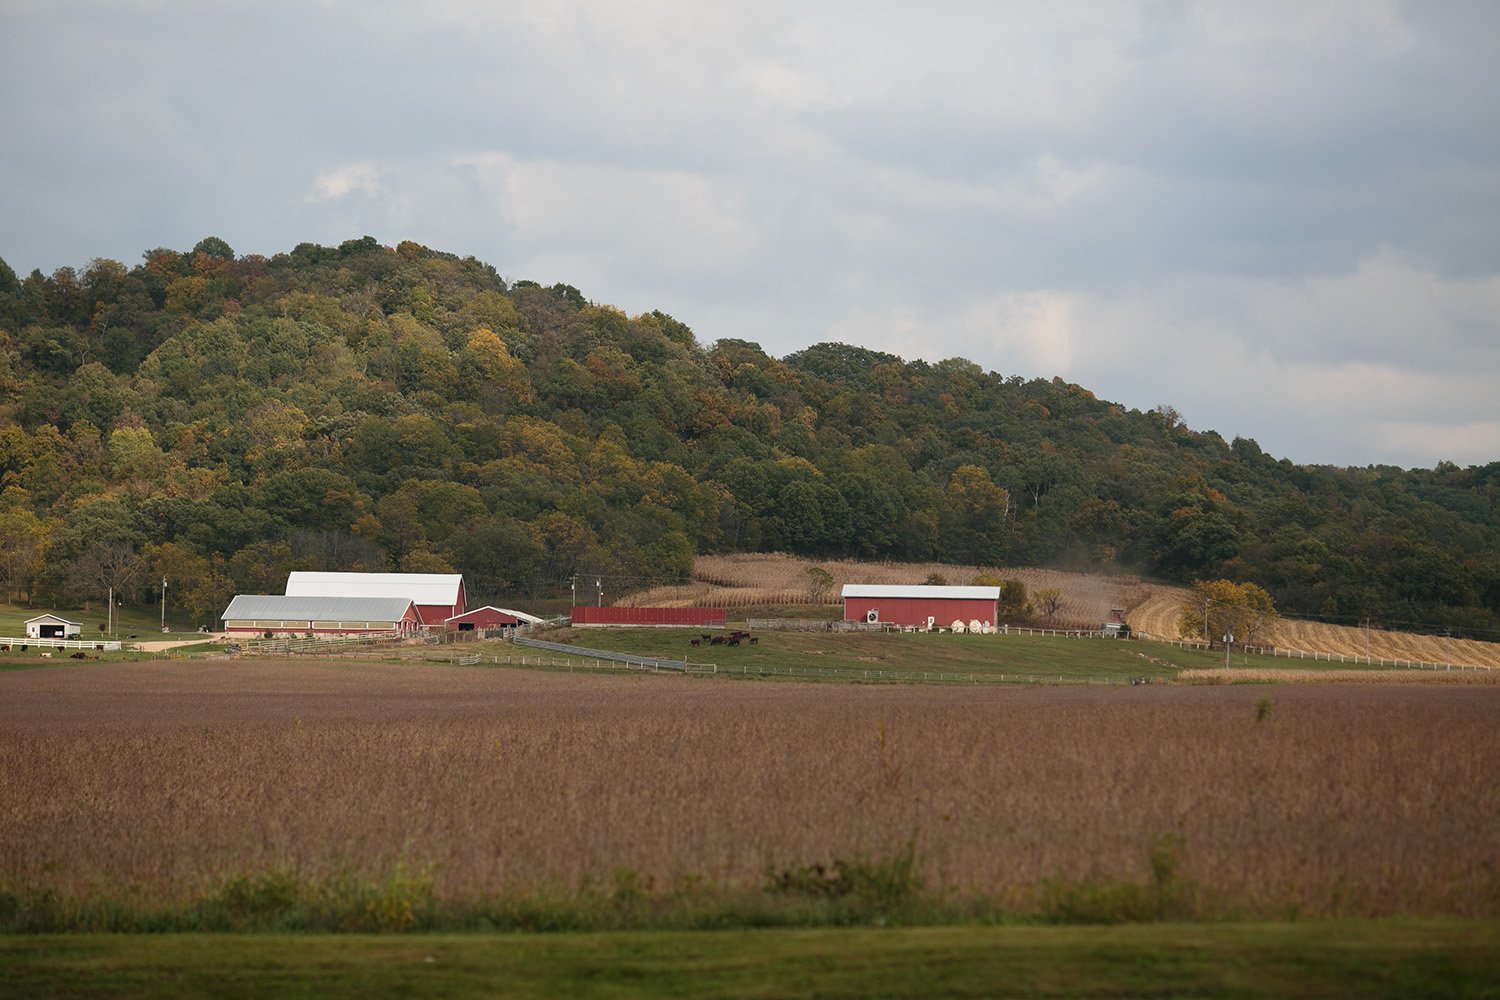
1281, 218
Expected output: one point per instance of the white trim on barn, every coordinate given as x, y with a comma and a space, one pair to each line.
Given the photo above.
520, 616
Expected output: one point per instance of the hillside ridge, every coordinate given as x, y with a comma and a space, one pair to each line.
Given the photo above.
221, 420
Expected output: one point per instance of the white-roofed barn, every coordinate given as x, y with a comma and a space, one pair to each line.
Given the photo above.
920, 605
437, 596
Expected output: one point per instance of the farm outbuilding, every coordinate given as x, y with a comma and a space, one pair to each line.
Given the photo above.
920, 606
437, 596
280, 615
488, 618
52, 627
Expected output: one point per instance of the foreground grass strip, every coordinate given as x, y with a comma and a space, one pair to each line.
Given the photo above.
1406, 958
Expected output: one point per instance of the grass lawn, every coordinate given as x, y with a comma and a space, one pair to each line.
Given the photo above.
142, 621
1398, 958
847, 655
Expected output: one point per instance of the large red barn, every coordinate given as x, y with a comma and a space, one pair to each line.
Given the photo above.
920, 606
438, 596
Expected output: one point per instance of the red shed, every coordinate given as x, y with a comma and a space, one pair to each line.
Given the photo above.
489, 617
921, 606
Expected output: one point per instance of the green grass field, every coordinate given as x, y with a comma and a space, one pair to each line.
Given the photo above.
1399, 958
142, 621
917, 656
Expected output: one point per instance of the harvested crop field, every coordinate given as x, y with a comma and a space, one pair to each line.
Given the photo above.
748, 580
163, 778
761, 578
1158, 615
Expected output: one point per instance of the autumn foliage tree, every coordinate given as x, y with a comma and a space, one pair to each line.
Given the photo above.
1213, 609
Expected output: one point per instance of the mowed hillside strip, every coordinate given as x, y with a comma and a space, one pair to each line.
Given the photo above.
1158, 616
162, 779
1153, 609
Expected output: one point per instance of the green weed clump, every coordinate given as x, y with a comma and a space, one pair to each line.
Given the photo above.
1165, 895
876, 884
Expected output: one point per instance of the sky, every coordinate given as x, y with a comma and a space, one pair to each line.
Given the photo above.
1281, 219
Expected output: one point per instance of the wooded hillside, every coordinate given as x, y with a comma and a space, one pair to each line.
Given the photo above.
221, 420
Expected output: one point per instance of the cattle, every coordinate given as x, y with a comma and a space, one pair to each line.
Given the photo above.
696, 642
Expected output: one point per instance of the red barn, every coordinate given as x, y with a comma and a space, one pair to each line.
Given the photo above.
489, 617
438, 596
921, 606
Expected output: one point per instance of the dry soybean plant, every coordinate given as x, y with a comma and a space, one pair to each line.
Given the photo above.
165, 780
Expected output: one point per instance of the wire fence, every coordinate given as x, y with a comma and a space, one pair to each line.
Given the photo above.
878, 676
582, 657
602, 654
321, 646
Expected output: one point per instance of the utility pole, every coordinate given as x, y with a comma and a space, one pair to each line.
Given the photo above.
600, 585
110, 617
1228, 638
573, 583
163, 604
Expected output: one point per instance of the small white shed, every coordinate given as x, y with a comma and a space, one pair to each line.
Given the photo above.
52, 627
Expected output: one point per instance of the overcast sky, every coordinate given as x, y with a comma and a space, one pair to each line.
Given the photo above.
1281, 218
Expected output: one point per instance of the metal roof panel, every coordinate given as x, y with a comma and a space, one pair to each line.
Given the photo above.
280, 607
921, 591
423, 588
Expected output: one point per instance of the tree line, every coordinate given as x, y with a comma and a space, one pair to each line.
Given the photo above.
219, 420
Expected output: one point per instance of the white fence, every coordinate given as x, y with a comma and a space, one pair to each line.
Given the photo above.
1369, 661
107, 645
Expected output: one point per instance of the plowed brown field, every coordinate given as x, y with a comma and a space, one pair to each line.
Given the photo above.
169, 776
1153, 609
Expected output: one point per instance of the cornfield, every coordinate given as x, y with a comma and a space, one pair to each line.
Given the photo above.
160, 779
